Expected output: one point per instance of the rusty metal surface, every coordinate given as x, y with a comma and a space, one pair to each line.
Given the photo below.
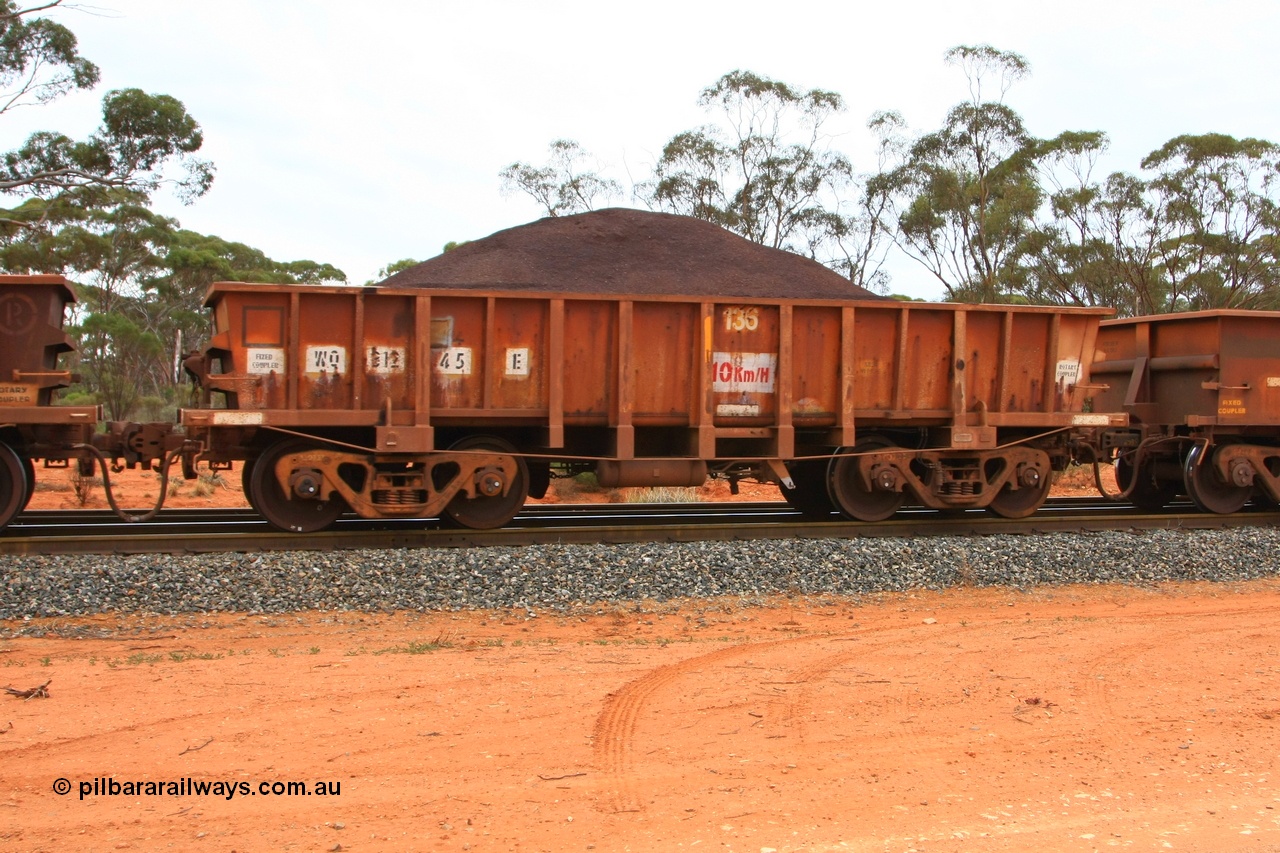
721, 374
32, 312
1203, 369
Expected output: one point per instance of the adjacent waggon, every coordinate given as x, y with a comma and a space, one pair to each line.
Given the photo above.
1203, 393
32, 310
32, 429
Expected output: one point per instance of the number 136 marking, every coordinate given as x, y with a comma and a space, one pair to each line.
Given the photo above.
740, 317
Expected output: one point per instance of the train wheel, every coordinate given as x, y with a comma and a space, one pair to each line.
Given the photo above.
30, 468
1029, 497
1205, 488
487, 513
284, 510
1148, 494
246, 483
810, 496
13, 484
1262, 495
851, 497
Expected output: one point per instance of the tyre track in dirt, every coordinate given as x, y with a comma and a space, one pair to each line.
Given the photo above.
797, 707
614, 733
1096, 669
615, 743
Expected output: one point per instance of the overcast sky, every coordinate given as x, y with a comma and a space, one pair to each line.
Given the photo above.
361, 134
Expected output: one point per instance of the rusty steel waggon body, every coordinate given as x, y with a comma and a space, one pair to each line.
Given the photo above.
461, 403
32, 429
1203, 393
31, 340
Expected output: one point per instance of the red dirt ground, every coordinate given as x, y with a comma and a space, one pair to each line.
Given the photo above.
1059, 719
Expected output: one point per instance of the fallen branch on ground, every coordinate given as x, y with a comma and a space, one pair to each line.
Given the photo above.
42, 691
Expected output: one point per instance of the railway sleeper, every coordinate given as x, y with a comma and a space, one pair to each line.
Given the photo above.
403, 486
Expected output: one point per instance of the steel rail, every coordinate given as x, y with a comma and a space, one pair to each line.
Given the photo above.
200, 531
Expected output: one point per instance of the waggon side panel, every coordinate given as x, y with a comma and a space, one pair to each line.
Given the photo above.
589, 361
386, 360
32, 310
752, 370
1198, 369
745, 348
816, 340
662, 337
518, 364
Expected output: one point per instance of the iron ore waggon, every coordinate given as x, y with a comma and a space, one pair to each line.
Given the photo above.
1202, 390
32, 311
32, 429
461, 402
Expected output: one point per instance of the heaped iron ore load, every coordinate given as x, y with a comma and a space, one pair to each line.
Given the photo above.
1203, 393
628, 251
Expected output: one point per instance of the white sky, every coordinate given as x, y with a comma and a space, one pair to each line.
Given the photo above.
361, 134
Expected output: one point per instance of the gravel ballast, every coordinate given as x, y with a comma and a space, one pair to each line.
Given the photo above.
570, 577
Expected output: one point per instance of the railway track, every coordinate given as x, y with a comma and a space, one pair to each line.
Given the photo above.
209, 531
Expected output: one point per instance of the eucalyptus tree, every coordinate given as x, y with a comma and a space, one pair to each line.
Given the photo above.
1098, 242
402, 265
764, 169
1219, 202
761, 171
563, 185
111, 250
965, 196
1199, 231
144, 141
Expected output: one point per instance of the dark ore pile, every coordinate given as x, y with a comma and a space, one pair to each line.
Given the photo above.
624, 251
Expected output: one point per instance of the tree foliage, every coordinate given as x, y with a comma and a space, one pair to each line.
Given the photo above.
563, 185
1199, 232
39, 58
966, 195
143, 283
1220, 217
82, 208
141, 139
764, 170
996, 214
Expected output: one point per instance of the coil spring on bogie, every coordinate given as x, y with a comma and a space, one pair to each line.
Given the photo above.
399, 497
960, 487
